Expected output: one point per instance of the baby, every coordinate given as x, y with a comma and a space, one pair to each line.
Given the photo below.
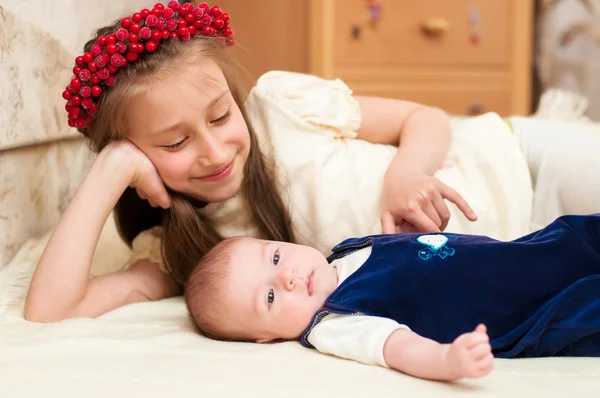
433, 306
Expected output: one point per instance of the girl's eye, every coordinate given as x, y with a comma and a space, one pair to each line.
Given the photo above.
270, 297
175, 145
276, 258
222, 119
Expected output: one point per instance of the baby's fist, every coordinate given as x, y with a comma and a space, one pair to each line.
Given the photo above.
470, 355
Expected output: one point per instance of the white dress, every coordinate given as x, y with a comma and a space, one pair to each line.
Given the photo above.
333, 182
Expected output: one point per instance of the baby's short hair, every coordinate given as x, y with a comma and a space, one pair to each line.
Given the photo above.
204, 291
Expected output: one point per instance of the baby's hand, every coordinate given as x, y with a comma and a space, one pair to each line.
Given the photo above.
470, 355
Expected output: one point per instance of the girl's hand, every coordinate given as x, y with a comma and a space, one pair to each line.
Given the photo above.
470, 355
414, 202
146, 180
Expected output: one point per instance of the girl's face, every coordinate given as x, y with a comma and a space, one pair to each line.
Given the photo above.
190, 127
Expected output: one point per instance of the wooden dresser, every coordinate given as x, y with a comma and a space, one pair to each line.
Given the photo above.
465, 56
422, 50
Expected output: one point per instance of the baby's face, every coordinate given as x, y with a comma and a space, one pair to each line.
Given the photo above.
275, 288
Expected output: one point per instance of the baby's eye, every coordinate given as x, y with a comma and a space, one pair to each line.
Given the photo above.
276, 258
270, 297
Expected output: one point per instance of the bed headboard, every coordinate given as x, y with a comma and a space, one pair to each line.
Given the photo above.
42, 160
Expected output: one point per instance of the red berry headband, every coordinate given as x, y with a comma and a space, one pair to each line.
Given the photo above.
143, 32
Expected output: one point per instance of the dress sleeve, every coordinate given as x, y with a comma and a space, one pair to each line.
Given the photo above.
147, 245
326, 104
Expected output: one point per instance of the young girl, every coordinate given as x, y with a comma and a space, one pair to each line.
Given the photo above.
436, 306
159, 98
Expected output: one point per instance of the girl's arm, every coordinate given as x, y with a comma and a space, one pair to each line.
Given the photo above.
413, 198
468, 356
60, 287
421, 133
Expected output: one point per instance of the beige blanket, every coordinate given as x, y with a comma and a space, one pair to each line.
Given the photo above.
150, 350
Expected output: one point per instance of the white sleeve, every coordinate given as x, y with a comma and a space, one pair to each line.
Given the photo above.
147, 245
357, 337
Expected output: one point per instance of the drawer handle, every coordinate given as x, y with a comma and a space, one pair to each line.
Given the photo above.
435, 26
476, 108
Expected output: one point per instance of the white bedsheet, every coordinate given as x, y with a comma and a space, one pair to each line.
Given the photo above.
150, 350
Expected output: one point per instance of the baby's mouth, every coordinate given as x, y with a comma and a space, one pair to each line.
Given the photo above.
310, 282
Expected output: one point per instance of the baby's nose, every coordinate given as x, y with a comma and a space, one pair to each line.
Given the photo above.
288, 278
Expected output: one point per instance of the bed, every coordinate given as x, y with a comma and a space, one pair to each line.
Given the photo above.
151, 349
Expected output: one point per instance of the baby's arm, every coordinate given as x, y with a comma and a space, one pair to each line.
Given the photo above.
381, 341
468, 356
60, 287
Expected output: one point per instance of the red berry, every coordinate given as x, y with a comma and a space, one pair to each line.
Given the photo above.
117, 60
145, 33
66, 95
207, 30
71, 123
85, 75
92, 67
144, 13
87, 58
87, 103
174, 5
126, 22
192, 30
156, 35
198, 12
133, 38
218, 23
207, 19
150, 46
110, 81
227, 32
165, 34
173, 35
75, 112
156, 12
80, 123
151, 21
96, 91
79, 61
76, 70
92, 109
161, 24
121, 48
96, 50
168, 13
181, 22
95, 79
103, 73
112, 69
160, 6
134, 28
121, 34
132, 56
171, 25
75, 84
137, 17
111, 49
85, 91
101, 60
111, 39
76, 100
225, 17
182, 31
198, 24
102, 41
189, 18
215, 11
